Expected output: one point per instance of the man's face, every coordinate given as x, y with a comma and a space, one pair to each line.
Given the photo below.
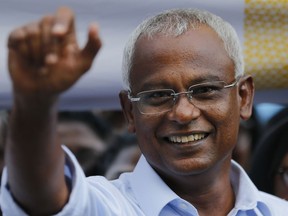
198, 56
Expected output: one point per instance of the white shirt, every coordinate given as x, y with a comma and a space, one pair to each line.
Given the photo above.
143, 192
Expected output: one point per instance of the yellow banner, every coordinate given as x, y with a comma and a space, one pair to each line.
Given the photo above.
266, 42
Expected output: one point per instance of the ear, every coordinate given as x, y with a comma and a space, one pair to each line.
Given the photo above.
127, 110
246, 93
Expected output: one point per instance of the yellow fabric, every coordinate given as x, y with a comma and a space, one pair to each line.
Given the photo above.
266, 42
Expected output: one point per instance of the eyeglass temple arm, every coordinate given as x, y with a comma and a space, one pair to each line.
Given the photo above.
133, 99
234, 83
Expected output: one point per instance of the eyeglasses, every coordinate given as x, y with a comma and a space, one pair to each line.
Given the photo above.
162, 100
283, 172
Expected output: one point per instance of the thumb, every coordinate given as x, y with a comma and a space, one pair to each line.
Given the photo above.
92, 46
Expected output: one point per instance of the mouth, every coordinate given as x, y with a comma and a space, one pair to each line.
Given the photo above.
187, 138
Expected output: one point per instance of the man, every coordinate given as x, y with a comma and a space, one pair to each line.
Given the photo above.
186, 93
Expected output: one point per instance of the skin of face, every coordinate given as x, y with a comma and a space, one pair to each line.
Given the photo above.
280, 188
177, 63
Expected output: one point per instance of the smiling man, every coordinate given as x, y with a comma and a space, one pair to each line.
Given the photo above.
185, 95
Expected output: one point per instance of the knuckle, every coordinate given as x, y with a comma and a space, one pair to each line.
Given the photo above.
33, 30
16, 37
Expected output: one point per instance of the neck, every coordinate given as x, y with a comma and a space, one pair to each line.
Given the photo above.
210, 192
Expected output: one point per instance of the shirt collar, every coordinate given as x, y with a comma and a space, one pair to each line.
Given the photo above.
247, 195
146, 183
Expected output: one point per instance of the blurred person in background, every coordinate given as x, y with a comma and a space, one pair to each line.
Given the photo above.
248, 135
122, 156
87, 136
269, 167
123, 152
3, 135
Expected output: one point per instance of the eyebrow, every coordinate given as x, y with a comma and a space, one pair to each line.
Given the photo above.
157, 85
161, 84
205, 79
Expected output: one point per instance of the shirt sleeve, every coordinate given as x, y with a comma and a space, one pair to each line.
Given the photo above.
75, 179
88, 196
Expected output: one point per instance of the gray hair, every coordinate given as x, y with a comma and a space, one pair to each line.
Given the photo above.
176, 22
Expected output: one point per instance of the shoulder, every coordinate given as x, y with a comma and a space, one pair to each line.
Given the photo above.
273, 199
118, 188
276, 205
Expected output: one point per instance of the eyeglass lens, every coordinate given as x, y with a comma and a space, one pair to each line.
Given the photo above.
200, 95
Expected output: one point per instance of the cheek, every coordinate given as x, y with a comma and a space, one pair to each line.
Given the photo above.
231, 125
145, 124
146, 130
226, 120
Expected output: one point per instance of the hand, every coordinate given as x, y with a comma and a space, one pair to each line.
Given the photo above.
44, 57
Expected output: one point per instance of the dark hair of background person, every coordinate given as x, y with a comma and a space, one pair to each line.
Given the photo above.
3, 135
87, 136
101, 127
270, 151
248, 136
97, 154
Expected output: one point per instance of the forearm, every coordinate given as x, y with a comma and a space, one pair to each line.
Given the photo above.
34, 158
44, 59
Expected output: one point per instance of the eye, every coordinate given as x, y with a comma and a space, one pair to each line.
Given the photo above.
159, 94
156, 97
204, 89
207, 90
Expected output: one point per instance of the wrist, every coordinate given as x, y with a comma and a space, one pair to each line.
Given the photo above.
34, 101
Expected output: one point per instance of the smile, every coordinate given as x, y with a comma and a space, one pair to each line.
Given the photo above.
186, 139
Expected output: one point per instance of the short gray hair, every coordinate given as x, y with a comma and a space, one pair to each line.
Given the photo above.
176, 22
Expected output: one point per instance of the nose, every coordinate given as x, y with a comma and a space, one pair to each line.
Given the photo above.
184, 111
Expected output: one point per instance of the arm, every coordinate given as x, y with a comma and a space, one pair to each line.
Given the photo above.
44, 61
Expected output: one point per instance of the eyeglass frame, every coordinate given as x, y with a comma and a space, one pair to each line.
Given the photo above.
175, 95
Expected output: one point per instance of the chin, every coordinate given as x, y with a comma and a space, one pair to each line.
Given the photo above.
189, 166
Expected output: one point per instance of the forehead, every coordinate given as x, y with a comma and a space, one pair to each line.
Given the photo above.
197, 53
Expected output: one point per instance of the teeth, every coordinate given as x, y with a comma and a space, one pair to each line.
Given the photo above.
185, 139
